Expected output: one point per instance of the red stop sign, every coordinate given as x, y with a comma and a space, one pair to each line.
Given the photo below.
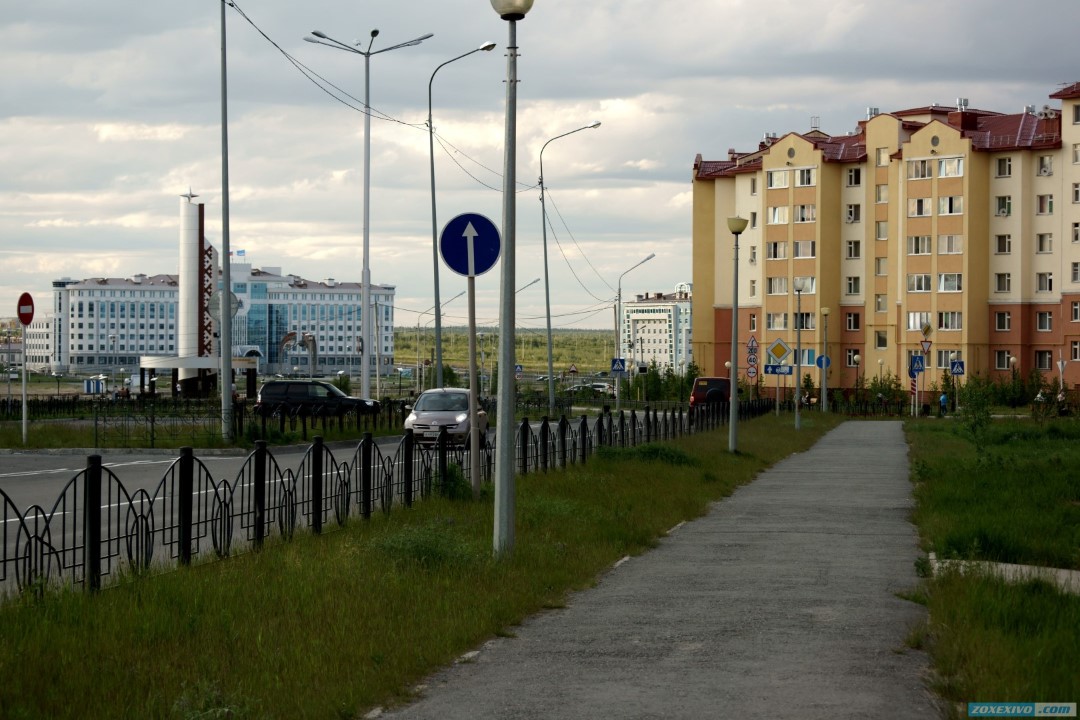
26, 309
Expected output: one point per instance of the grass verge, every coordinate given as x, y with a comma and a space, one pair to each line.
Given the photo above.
330, 626
1017, 501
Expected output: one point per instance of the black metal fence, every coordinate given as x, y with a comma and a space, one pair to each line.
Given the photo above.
98, 527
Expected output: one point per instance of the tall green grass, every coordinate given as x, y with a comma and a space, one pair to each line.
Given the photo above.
1017, 500
330, 626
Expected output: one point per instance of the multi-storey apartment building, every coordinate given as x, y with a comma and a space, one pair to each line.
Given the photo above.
101, 324
657, 328
948, 224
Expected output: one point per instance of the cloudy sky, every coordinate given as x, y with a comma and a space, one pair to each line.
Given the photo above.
110, 110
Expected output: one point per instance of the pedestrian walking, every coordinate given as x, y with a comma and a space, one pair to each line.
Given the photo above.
943, 402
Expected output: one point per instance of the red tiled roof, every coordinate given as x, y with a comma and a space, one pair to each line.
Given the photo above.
1069, 92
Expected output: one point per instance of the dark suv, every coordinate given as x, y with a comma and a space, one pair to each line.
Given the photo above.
710, 390
309, 397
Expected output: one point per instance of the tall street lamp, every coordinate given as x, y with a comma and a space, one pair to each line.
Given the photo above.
488, 46
736, 226
618, 327
225, 316
825, 363
547, 285
800, 285
365, 295
858, 361
503, 536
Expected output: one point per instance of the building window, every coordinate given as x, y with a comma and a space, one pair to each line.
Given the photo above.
1076, 311
950, 245
854, 177
881, 229
1076, 114
881, 194
1076, 192
805, 177
1001, 359
881, 156
1044, 242
950, 321
1044, 282
916, 320
805, 248
1044, 204
753, 287
1076, 153
881, 340
1002, 244
951, 205
753, 220
918, 245
854, 249
1042, 359
1076, 272
854, 285
1004, 167
854, 213
919, 207
805, 321
776, 285
805, 213
1002, 321
778, 215
880, 303
753, 322
881, 266
1076, 232
919, 282
1044, 321
1004, 205
1002, 282
1076, 349
1046, 165
753, 253
951, 167
753, 186
950, 282
945, 358
776, 250
777, 179
919, 169
776, 321
852, 321
809, 284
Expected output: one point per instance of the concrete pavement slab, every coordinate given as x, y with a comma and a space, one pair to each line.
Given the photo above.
780, 603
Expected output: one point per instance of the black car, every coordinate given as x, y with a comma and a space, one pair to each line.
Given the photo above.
309, 397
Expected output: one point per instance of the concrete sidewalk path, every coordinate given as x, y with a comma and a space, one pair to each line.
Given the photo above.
780, 603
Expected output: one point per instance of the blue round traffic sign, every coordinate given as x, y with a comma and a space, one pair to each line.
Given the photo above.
470, 244
823, 361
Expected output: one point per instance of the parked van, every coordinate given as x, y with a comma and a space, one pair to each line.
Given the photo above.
710, 390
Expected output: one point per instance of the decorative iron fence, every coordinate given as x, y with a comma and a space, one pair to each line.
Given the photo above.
98, 527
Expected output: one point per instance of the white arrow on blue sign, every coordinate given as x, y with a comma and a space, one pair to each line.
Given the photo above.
778, 369
470, 244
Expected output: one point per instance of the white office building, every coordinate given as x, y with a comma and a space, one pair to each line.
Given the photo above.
656, 328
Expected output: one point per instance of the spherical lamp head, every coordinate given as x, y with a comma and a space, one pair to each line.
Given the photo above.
737, 224
512, 9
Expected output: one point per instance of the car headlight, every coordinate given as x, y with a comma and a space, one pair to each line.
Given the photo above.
461, 417
410, 420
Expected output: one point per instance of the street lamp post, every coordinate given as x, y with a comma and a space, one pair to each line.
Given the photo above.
365, 295
880, 365
736, 226
825, 363
488, 46
618, 327
547, 285
503, 535
800, 285
858, 361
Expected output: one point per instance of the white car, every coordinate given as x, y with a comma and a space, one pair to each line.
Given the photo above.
439, 408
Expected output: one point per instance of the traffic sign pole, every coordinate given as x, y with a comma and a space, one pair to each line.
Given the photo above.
25, 311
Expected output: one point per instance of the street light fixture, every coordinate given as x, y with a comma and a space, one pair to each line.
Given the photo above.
547, 284
736, 226
322, 38
618, 326
503, 536
857, 360
487, 47
880, 365
825, 363
800, 286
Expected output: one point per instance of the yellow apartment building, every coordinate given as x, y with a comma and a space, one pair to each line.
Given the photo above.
951, 225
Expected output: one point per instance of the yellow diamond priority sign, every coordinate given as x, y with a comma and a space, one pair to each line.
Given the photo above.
779, 350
